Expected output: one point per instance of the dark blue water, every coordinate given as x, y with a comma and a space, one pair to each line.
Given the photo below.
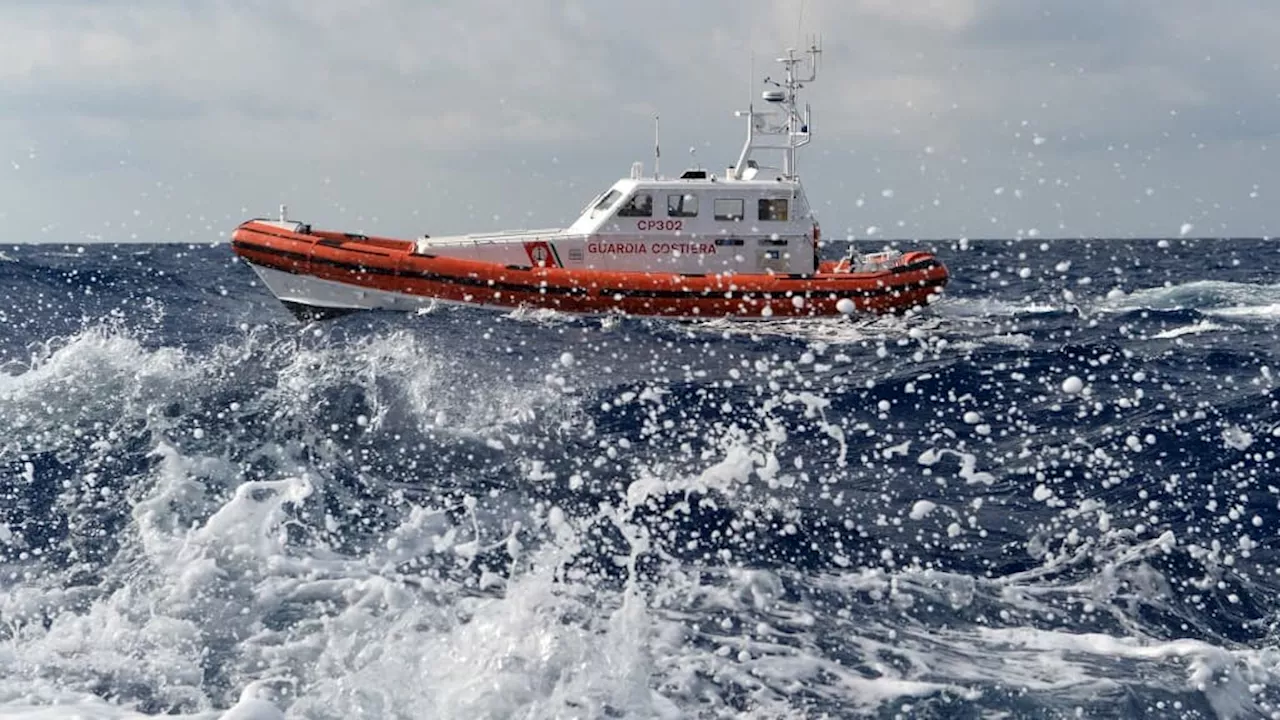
1052, 494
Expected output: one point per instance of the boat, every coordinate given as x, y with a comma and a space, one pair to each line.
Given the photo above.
743, 243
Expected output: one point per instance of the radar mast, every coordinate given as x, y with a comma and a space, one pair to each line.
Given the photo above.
784, 122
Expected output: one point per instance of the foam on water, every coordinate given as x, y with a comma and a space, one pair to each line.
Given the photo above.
832, 331
195, 606
1269, 311
993, 307
1217, 296
1204, 326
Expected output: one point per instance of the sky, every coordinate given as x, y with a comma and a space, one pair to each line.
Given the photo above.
173, 120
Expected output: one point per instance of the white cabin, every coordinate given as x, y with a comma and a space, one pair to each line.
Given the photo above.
751, 219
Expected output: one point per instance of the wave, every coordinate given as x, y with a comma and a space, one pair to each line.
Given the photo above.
1205, 296
1003, 504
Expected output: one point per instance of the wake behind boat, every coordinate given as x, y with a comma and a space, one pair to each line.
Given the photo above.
744, 244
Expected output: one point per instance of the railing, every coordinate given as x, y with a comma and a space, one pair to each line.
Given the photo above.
425, 244
508, 235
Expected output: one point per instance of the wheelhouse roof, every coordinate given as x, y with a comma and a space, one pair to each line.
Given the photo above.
718, 182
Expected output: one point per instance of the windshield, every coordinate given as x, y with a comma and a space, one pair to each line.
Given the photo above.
606, 202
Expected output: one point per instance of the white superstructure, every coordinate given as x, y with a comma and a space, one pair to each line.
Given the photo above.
753, 218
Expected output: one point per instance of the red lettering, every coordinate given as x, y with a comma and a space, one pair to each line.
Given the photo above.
609, 248
664, 225
684, 248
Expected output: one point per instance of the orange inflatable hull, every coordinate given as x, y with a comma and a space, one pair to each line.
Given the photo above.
390, 266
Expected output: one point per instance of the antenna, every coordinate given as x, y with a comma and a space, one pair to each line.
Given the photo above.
799, 21
657, 148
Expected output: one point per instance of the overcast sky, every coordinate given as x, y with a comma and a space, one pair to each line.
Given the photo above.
159, 120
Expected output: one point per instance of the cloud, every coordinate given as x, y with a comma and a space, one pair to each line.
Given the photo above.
1106, 117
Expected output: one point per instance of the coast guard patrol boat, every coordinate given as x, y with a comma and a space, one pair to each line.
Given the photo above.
742, 243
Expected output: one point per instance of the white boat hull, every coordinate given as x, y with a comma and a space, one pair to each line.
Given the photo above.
326, 295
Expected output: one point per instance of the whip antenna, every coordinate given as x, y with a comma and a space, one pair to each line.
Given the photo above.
657, 148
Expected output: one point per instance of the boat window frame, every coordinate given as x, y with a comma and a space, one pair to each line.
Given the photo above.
629, 208
678, 210
766, 209
606, 202
729, 217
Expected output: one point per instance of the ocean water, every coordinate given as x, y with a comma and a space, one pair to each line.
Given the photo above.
1053, 493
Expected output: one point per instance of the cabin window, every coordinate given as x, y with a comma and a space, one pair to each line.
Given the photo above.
640, 205
733, 242
773, 242
683, 205
773, 209
606, 202
727, 209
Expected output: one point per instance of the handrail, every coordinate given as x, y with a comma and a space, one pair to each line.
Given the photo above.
511, 234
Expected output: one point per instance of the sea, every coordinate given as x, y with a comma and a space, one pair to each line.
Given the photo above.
1053, 493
